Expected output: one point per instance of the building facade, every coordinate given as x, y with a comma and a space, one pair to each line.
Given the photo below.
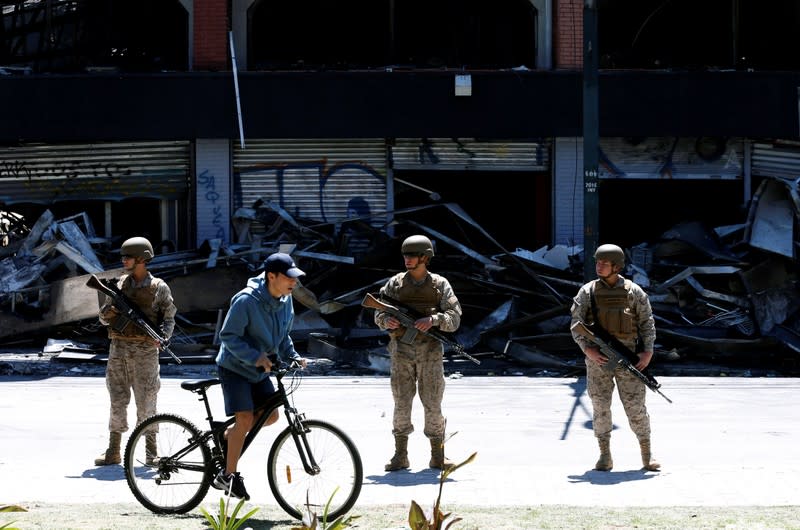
170, 116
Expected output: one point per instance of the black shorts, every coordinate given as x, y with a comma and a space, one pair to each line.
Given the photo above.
240, 394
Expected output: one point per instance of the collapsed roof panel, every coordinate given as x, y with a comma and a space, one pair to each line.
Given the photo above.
773, 217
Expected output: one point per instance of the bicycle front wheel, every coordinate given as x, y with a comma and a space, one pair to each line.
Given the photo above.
167, 466
338, 480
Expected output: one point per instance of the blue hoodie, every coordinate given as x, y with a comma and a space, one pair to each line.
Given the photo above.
256, 323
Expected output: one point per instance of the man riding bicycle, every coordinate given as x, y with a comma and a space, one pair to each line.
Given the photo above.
256, 327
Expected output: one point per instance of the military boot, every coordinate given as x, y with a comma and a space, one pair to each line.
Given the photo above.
438, 460
150, 449
648, 462
604, 463
111, 455
400, 458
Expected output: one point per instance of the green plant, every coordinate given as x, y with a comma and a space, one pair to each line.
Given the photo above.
224, 521
313, 522
417, 520
11, 508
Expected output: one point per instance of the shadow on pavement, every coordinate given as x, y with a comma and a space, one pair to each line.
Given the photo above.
406, 478
115, 472
611, 477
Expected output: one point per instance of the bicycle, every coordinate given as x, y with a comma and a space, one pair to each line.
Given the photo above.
308, 461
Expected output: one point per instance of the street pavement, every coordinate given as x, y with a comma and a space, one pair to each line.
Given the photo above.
722, 442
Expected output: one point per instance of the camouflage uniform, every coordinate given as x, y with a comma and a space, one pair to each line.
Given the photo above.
419, 366
133, 360
624, 311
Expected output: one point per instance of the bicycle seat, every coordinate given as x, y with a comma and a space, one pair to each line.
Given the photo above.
198, 384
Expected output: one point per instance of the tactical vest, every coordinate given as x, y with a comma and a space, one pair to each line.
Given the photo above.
612, 308
143, 298
423, 299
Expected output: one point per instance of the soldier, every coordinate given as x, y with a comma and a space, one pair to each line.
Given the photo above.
133, 355
622, 308
418, 366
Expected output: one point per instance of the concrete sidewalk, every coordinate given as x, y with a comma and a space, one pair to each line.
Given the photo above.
724, 441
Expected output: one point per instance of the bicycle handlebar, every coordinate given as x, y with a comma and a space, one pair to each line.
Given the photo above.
280, 367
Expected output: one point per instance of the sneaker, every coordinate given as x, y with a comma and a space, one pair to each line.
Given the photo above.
232, 484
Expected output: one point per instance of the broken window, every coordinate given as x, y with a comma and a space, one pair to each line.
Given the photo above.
362, 34
686, 34
75, 35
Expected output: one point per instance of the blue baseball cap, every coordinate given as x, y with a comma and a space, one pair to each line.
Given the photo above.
283, 263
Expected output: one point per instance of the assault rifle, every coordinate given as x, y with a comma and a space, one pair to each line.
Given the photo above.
129, 313
617, 353
407, 319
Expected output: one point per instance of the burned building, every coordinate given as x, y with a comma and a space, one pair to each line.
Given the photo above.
238, 122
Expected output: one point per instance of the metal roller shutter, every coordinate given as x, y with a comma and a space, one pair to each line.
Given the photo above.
670, 158
46, 173
324, 180
776, 159
459, 154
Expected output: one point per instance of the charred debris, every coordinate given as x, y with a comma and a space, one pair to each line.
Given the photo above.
725, 299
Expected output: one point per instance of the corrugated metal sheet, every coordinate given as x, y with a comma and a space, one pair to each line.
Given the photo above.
668, 158
776, 159
325, 180
44, 173
469, 154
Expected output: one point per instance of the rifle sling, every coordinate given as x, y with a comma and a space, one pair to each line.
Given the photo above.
137, 312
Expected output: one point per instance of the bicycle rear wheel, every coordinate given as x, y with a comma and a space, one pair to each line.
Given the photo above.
340, 466
177, 477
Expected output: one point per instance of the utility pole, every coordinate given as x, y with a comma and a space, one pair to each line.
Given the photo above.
591, 137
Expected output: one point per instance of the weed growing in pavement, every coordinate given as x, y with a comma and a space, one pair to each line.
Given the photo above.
224, 521
312, 522
10, 508
417, 520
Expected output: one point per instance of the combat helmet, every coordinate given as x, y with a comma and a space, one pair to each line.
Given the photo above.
611, 253
138, 247
419, 245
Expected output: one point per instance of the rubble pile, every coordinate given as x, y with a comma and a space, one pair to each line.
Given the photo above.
725, 296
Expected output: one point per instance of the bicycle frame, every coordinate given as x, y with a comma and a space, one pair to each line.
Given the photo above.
276, 400
308, 462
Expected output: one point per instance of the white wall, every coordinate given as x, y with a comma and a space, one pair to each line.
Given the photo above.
213, 192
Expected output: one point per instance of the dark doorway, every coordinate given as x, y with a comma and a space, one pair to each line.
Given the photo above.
512, 206
137, 217
129, 218
639, 211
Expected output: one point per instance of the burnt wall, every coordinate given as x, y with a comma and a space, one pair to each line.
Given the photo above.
393, 104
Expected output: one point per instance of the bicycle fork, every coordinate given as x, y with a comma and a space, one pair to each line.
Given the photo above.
299, 430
